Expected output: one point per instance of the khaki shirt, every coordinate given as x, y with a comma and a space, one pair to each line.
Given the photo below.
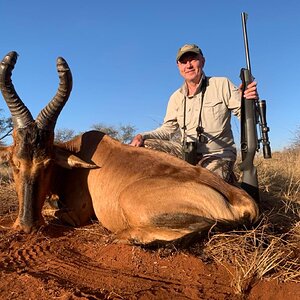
220, 99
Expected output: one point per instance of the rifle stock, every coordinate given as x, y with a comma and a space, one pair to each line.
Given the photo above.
249, 144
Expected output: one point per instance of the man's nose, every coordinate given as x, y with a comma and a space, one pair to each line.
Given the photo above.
188, 64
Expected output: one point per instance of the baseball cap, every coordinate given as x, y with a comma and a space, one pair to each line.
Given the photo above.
188, 48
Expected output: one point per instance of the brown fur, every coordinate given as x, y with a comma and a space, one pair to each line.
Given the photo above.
134, 187
139, 194
31, 160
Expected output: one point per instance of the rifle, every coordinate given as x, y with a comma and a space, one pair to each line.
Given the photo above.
253, 112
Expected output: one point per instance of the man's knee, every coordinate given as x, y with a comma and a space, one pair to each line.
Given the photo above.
221, 167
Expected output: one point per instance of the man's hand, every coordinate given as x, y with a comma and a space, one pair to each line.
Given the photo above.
137, 141
251, 91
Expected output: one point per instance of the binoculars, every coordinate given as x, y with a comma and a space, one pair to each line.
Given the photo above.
189, 152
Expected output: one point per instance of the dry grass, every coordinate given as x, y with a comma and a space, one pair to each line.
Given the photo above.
251, 255
272, 248
280, 176
5, 174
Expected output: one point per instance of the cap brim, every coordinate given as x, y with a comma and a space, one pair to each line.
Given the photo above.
185, 52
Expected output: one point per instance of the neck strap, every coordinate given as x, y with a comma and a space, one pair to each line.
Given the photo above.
199, 128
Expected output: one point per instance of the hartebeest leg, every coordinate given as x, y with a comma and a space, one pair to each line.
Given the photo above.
146, 235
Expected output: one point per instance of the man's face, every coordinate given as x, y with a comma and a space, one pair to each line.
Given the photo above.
190, 66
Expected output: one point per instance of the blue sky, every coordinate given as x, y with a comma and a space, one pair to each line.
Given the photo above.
122, 56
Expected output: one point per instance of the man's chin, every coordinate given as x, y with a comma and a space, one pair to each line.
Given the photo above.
191, 78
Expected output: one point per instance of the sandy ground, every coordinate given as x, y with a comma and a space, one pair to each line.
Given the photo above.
65, 263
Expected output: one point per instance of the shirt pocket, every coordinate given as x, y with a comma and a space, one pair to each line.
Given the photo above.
213, 114
185, 120
191, 119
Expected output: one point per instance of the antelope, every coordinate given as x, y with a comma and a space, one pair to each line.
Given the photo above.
140, 195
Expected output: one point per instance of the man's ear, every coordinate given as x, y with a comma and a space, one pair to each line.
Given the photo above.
202, 61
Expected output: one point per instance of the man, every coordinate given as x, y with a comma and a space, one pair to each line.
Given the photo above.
201, 108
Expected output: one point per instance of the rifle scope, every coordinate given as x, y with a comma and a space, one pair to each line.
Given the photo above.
264, 129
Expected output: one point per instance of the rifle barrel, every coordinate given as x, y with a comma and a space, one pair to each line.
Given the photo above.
244, 24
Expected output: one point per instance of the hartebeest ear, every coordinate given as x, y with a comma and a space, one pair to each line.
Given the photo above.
67, 160
5, 154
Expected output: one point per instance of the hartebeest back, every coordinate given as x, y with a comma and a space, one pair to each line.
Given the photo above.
139, 194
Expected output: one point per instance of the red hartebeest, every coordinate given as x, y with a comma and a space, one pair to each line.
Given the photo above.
139, 194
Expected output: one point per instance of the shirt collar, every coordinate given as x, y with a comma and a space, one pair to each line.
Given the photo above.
184, 90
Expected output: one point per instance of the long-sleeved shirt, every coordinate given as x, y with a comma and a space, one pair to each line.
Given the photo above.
220, 99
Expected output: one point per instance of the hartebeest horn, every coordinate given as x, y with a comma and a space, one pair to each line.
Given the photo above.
48, 116
21, 116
